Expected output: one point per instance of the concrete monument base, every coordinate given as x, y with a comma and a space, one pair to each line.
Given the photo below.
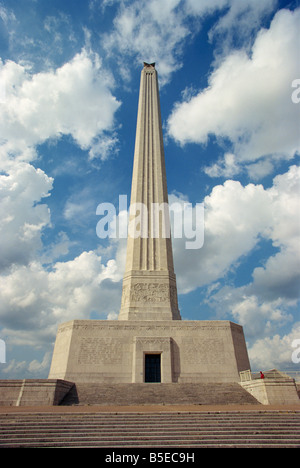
118, 351
277, 388
33, 392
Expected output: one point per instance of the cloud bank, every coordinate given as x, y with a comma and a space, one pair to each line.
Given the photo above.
75, 99
248, 102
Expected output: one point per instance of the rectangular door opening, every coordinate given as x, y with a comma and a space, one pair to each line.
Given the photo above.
152, 368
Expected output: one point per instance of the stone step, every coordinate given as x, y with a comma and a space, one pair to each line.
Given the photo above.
114, 418
159, 441
141, 421
150, 422
146, 426
176, 393
149, 434
254, 429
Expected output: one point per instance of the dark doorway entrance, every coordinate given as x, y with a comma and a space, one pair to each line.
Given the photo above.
152, 368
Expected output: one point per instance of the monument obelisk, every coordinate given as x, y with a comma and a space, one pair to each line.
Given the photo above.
149, 284
149, 343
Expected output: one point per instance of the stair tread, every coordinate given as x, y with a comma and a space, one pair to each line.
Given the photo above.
172, 393
162, 430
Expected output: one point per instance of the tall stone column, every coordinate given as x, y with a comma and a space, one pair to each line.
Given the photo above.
149, 284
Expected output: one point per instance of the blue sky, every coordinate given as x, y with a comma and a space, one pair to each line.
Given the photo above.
69, 80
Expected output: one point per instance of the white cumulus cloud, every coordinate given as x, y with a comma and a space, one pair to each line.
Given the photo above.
34, 300
237, 219
150, 31
276, 351
22, 213
248, 101
75, 99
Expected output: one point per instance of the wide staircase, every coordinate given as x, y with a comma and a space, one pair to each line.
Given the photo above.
219, 429
162, 394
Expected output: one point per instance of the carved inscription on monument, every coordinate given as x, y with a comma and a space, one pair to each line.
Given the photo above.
99, 351
149, 293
